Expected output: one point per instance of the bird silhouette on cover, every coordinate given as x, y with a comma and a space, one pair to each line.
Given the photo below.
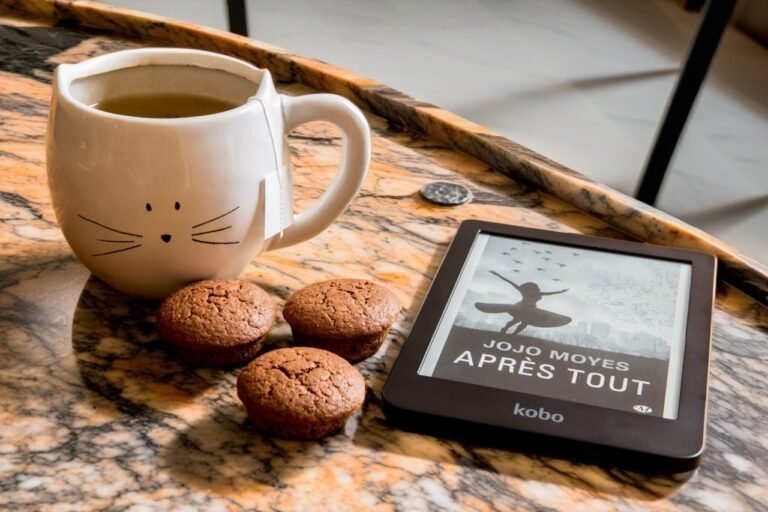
525, 312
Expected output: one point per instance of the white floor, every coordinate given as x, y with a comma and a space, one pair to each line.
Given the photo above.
583, 82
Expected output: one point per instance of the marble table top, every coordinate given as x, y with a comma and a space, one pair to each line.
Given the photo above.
97, 414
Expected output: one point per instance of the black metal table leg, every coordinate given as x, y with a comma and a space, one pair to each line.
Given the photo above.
238, 21
702, 50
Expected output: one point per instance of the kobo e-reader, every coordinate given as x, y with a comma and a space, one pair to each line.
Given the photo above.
568, 344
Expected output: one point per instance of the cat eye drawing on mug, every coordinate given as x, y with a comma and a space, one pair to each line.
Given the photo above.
156, 199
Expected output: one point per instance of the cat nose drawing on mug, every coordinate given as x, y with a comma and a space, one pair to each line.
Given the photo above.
153, 194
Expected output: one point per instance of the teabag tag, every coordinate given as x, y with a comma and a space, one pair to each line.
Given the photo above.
273, 212
273, 218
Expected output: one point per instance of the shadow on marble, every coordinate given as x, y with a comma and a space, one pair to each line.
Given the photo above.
375, 433
224, 454
38, 291
120, 357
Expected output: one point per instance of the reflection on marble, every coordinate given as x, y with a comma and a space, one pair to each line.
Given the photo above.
97, 413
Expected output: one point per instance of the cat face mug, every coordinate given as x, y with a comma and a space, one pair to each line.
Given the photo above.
151, 203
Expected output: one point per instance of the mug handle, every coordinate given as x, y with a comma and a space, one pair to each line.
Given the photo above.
354, 161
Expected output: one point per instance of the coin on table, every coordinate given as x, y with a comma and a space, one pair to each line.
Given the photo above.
445, 194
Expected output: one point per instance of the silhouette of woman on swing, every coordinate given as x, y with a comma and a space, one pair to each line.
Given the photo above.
525, 312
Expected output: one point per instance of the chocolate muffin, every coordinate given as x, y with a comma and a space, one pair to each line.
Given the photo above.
300, 392
217, 322
349, 317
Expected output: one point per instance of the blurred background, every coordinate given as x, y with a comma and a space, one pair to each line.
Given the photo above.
584, 82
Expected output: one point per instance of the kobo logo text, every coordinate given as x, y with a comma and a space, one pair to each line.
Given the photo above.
539, 413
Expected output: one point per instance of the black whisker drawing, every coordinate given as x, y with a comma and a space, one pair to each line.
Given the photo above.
215, 218
107, 227
211, 231
525, 312
165, 237
214, 243
117, 251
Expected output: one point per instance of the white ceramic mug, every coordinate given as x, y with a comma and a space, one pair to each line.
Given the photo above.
149, 205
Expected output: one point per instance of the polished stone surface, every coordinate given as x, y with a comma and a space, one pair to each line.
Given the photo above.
98, 414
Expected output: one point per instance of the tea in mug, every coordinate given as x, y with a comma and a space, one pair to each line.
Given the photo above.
164, 105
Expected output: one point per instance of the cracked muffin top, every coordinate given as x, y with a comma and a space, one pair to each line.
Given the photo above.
342, 308
216, 313
300, 386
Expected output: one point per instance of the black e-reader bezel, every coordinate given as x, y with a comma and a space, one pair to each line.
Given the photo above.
620, 438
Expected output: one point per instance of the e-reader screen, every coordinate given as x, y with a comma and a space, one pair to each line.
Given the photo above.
583, 325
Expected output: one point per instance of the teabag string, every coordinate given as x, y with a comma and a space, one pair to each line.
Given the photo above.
274, 220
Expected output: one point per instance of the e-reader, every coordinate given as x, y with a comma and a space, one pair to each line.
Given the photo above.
569, 343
